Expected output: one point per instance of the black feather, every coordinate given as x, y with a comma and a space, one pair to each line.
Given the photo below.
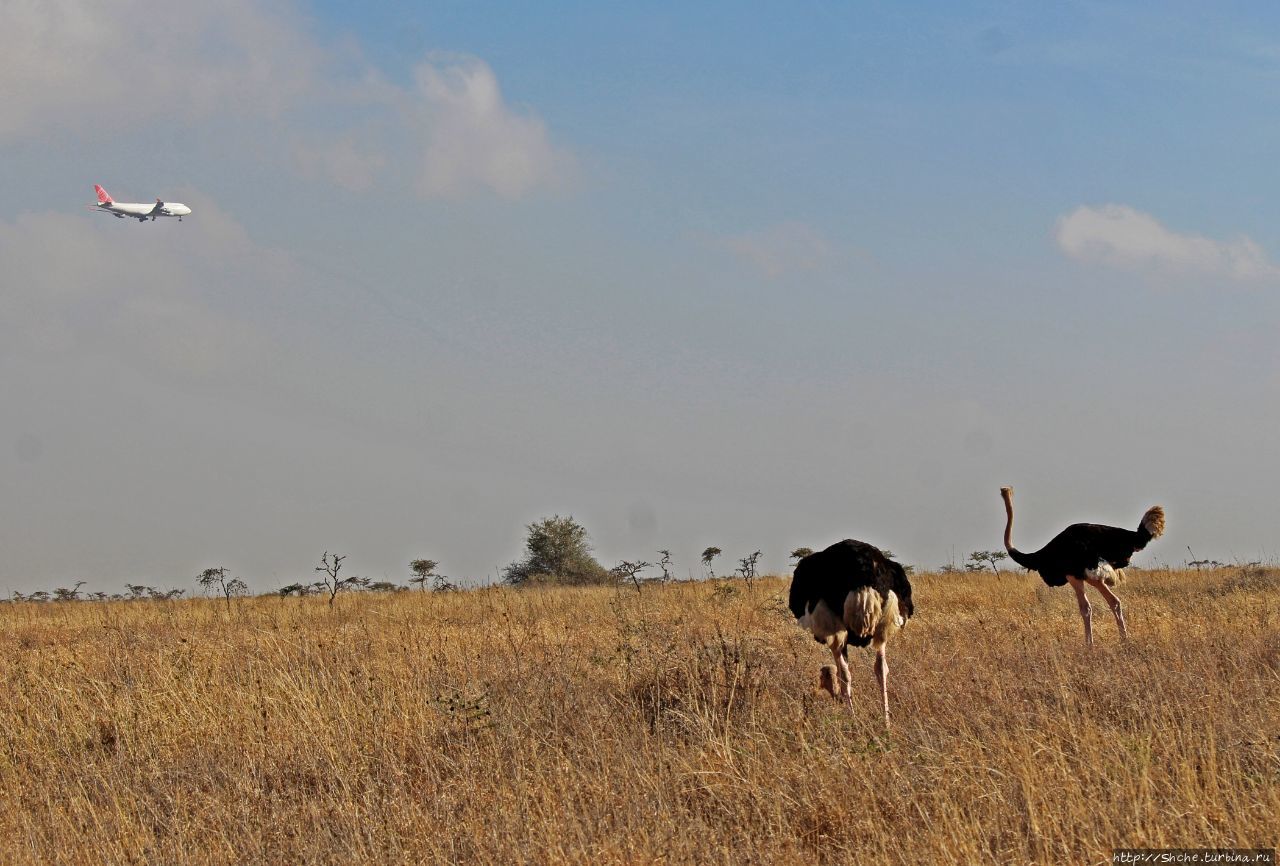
1080, 548
844, 567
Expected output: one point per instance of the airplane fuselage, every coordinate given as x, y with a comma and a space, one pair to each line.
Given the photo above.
145, 211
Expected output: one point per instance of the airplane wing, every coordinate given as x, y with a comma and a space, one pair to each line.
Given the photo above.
157, 209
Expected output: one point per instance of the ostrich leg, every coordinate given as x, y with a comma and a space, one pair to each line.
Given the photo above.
1086, 613
882, 677
1113, 601
838, 650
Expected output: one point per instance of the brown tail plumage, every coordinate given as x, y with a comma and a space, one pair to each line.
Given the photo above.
1153, 522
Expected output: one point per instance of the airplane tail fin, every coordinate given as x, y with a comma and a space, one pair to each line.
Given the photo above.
104, 197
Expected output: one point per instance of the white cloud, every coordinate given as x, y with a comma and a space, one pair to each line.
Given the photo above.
473, 138
100, 69
781, 249
84, 65
1119, 236
451, 131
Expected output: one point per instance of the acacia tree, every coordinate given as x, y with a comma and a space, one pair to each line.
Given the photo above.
980, 559
709, 554
64, 594
557, 551
801, 552
665, 564
330, 565
216, 578
629, 571
747, 566
425, 569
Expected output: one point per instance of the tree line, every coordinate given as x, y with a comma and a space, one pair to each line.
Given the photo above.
557, 551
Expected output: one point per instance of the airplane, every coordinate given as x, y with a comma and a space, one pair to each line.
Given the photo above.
140, 212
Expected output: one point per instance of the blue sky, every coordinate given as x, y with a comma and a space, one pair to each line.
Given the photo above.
750, 275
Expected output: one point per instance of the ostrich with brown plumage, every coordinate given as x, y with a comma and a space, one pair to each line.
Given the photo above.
1086, 553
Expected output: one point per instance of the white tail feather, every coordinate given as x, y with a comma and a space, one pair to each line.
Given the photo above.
862, 612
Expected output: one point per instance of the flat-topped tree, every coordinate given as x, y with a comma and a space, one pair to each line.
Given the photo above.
424, 570
709, 554
216, 578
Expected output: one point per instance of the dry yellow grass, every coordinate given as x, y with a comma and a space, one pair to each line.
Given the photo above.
671, 726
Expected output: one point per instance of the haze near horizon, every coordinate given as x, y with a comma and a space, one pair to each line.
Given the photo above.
755, 276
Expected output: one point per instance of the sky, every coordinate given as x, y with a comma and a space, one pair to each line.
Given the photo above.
750, 275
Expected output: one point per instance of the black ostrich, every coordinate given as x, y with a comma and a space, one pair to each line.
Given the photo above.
1086, 553
851, 593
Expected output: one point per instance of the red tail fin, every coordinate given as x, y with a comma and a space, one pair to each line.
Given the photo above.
104, 197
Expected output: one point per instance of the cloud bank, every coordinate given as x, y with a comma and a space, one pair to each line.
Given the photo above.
85, 66
1119, 236
124, 68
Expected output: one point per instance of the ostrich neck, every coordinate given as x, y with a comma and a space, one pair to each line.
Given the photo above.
1008, 526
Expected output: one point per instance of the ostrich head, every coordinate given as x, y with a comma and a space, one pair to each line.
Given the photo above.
827, 679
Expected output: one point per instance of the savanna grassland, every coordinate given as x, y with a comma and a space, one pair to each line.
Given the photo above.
678, 724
